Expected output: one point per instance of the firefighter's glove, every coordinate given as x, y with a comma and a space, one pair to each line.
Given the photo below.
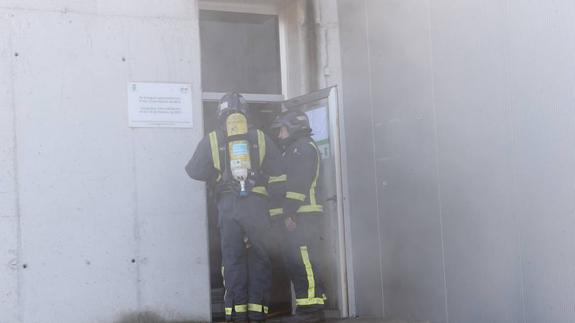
290, 224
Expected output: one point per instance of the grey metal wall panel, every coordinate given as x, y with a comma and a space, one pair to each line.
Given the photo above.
473, 122
541, 51
474, 141
363, 199
405, 154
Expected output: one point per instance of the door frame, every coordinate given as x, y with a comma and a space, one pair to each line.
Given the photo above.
346, 296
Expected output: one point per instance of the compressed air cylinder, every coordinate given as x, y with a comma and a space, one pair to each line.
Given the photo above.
239, 150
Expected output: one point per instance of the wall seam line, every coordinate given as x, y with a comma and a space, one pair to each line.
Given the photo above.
510, 103
16, 182
136, 226
376, 178
436, 148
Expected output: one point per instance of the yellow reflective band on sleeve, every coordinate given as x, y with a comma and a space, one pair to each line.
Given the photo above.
228, 311
215, 148
258, 308
309, 301
262, 146
310, 208
276, 212
277, 179
295, 196
313, 206
241, 308
260, 190
309, 272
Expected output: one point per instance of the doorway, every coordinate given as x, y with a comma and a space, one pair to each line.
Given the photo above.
321, 108
243, 50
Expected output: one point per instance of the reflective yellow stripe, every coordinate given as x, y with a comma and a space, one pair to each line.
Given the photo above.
258, 308
310, 208
241, 308
276, 212
214, 147
309, 271
228, 311
215, 150
262, 146
260, 190
276, 179
309, 301
295, 196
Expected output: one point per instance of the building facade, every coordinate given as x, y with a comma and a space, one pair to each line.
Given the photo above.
450, 131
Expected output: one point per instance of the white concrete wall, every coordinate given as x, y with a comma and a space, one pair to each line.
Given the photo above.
97, 220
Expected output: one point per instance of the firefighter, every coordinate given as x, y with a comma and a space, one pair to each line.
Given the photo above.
300, 214
236, 161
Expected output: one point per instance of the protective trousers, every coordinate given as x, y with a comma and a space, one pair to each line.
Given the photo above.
244, 227
301, 250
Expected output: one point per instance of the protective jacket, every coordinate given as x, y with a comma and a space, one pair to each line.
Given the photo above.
209, 162
297, 186
243, 220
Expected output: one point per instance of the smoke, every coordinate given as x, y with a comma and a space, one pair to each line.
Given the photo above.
150, 317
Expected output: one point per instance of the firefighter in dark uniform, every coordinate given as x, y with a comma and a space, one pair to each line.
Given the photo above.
242, 210
299, 215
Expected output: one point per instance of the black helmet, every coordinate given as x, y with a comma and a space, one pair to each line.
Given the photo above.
296, 122
232, 102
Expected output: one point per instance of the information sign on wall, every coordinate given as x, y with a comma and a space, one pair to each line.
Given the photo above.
318, 119
160, 105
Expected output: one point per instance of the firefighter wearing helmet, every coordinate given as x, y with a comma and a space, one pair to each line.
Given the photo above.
236, 160
298, 216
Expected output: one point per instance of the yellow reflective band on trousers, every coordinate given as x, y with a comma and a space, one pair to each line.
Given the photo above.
258, 308
215, 148
277, 179
260, 190
309, 301
262, 146
276, 212
228, 311
241, 308
295, 196
310, 208
309, 272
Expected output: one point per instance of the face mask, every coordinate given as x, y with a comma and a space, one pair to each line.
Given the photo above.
286, 141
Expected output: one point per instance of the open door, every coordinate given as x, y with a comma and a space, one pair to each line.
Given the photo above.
322, 111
